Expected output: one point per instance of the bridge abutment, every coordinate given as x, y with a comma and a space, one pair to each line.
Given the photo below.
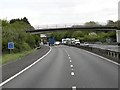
118, 36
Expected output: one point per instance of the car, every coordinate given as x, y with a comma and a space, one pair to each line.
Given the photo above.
57, 43
86, 44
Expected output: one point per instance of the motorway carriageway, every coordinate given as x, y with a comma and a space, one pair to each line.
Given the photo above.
67, 67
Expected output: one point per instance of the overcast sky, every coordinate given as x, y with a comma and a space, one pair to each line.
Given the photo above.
42, 12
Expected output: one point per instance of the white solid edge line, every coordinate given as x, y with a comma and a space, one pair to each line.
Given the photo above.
103, 57
6, 81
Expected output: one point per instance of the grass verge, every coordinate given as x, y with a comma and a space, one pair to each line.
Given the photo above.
14, 56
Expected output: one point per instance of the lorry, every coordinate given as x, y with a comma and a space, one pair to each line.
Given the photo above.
51, 41
77, 42
71, 41
64, 41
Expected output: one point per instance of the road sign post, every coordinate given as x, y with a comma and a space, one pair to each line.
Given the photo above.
10, 46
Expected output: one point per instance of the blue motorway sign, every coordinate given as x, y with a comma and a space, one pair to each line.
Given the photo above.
10, 45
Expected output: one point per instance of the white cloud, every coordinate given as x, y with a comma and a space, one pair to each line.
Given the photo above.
60, 11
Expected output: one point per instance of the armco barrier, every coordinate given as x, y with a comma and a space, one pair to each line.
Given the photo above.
115, 56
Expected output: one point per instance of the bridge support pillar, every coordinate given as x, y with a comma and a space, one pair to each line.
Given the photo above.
118, 36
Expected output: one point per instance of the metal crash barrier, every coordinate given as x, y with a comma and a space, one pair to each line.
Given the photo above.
112, 55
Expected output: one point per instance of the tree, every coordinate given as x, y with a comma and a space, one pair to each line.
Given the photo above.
117, 24
110, 23
19, 20
5, 23
77, 34
15, 32
25, 20
92, 23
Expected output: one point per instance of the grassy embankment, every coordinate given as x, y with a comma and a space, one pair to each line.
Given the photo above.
14, 56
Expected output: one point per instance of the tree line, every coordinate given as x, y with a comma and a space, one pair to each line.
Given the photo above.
89, 36
15, 31
19, 20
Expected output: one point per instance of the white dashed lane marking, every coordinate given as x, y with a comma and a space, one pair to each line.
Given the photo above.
72, 73
67, 53
72, 70
71, 66
74, 87
69, 57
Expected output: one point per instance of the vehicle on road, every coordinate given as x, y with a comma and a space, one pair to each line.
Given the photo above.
71, 41
77, 42
86, 44
64, 41
57, 43
51, 41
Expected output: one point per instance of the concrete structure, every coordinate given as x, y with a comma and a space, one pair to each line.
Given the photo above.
71, 28
118, 36
118, 32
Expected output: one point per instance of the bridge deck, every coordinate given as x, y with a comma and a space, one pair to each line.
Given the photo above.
73, 28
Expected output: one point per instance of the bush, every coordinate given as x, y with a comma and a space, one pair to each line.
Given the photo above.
16, 32
25, 47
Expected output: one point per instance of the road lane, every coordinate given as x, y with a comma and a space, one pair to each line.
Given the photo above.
67, 67
92, 71
51, 72
13, 67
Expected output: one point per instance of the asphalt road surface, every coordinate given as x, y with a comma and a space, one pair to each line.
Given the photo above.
11, 68
67, 67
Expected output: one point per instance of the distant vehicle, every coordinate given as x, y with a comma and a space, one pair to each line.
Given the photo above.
86, 44
77, 42
51, 41
64, 41
44, 42
71, 41
57, 43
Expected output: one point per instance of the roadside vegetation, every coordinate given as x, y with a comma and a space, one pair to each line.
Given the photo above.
15, 31
89, 36
14, 56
